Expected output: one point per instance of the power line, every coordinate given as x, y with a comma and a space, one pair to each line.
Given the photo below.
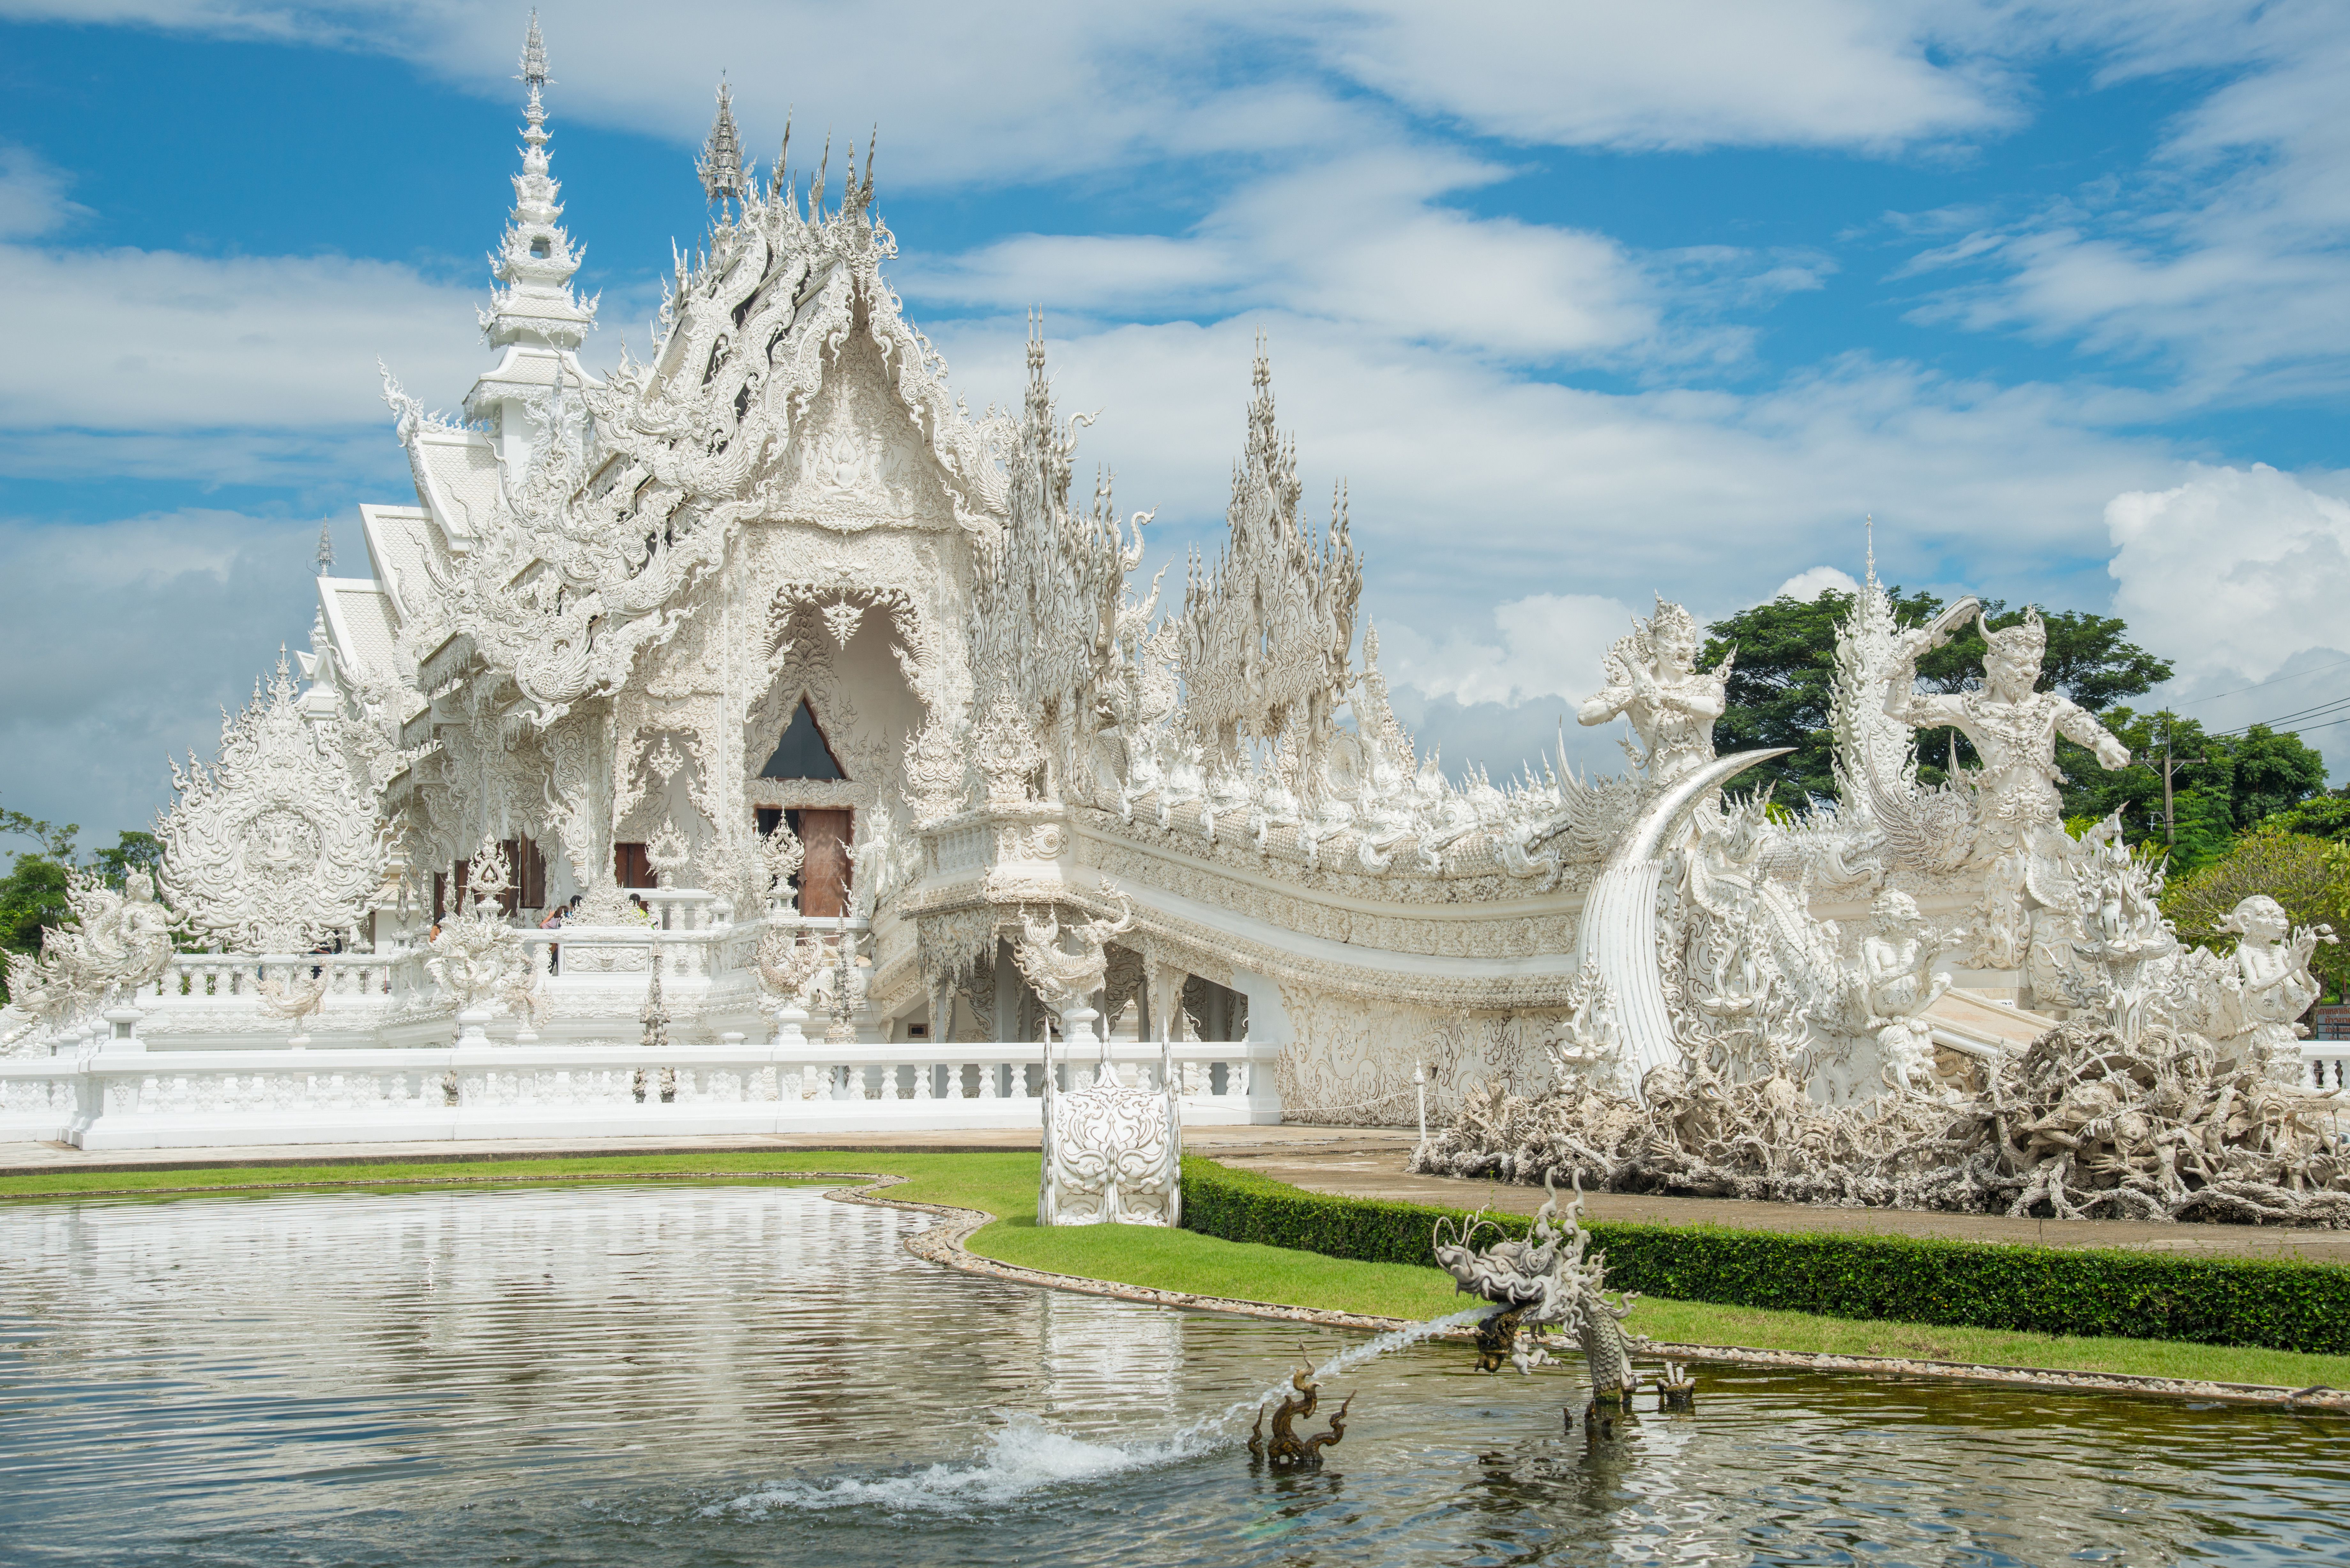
2319, 711
2239, 690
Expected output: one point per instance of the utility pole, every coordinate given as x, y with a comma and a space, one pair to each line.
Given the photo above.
2169, 817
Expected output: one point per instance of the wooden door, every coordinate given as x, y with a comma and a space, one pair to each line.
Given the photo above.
825, 873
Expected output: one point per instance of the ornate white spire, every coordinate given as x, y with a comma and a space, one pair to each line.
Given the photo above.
535, 260
721, 163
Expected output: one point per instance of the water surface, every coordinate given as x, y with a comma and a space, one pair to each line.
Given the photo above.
667, 1374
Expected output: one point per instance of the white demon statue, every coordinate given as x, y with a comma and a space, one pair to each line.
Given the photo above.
1653, 680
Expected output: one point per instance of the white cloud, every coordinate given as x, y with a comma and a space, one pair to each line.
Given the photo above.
1056, 86
1679, 74
2224, 260
1549, 645
2234, 572
159, 341
1805, 586
129, 639
1359, 240
32, 195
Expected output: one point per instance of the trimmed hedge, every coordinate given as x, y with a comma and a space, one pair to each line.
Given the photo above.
2282, 1306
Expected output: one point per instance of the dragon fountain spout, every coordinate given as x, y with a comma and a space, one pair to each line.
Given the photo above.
1287, 1450
1547, 1280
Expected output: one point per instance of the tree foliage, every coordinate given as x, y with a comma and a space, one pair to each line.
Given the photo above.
2221, 785
1782, 687
2309, 876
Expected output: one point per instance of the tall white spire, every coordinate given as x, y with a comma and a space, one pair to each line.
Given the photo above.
535, 260
721, 163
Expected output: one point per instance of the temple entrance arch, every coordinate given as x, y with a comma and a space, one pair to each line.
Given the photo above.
820, 743
804, 756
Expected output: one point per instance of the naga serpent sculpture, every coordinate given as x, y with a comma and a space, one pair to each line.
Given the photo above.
1288, 1452
1546, 1282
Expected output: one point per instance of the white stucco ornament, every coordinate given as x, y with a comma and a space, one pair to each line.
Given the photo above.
1112, 1154
275, 848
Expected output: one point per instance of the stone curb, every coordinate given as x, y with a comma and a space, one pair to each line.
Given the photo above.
943, 1243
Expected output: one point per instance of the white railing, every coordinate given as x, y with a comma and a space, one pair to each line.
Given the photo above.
2325, 1063
129, 1098
197, 980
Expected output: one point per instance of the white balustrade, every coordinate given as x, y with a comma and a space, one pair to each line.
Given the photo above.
115, 1094
2325, 1063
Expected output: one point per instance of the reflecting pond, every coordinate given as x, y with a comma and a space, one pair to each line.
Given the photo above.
659, 1374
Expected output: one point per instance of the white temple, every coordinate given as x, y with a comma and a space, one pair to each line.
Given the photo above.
826, 700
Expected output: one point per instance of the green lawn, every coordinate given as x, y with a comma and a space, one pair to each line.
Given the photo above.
1006, 1185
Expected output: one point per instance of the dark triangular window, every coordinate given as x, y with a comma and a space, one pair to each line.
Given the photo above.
803, 752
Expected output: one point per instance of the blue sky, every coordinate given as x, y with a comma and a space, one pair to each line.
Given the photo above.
1583, 302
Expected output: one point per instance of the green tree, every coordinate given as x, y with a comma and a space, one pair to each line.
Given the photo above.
1779, 689
32, 894
2319, 817
2222, 784
2309, 876
132, 851
56, 842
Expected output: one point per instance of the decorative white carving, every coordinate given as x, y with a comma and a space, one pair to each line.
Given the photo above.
478, 958
272, 849
612, 597
121, 941
668, 852
1113, 1155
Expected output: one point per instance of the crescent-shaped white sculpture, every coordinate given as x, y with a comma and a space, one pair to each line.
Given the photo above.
1617, 940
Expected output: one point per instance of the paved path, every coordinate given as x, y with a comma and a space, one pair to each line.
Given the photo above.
1372, 1167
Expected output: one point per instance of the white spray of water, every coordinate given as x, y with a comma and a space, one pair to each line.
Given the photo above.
1024, 1455
1353, 1357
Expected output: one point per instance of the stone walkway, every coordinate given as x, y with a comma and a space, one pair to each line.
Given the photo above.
1358, 1162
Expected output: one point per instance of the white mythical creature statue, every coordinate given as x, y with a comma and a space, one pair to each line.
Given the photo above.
1587, 1047
2013, 727
1653, 680
119, 942
1545, 1282
1065, 976
2018, 821
294, 1001
2270, 988
1900, 983
1112, 1154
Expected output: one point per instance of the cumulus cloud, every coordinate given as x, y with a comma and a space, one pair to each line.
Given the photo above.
2235, 571
1356, 239
1683, 74
141, 630
1544, 645
1805, 586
